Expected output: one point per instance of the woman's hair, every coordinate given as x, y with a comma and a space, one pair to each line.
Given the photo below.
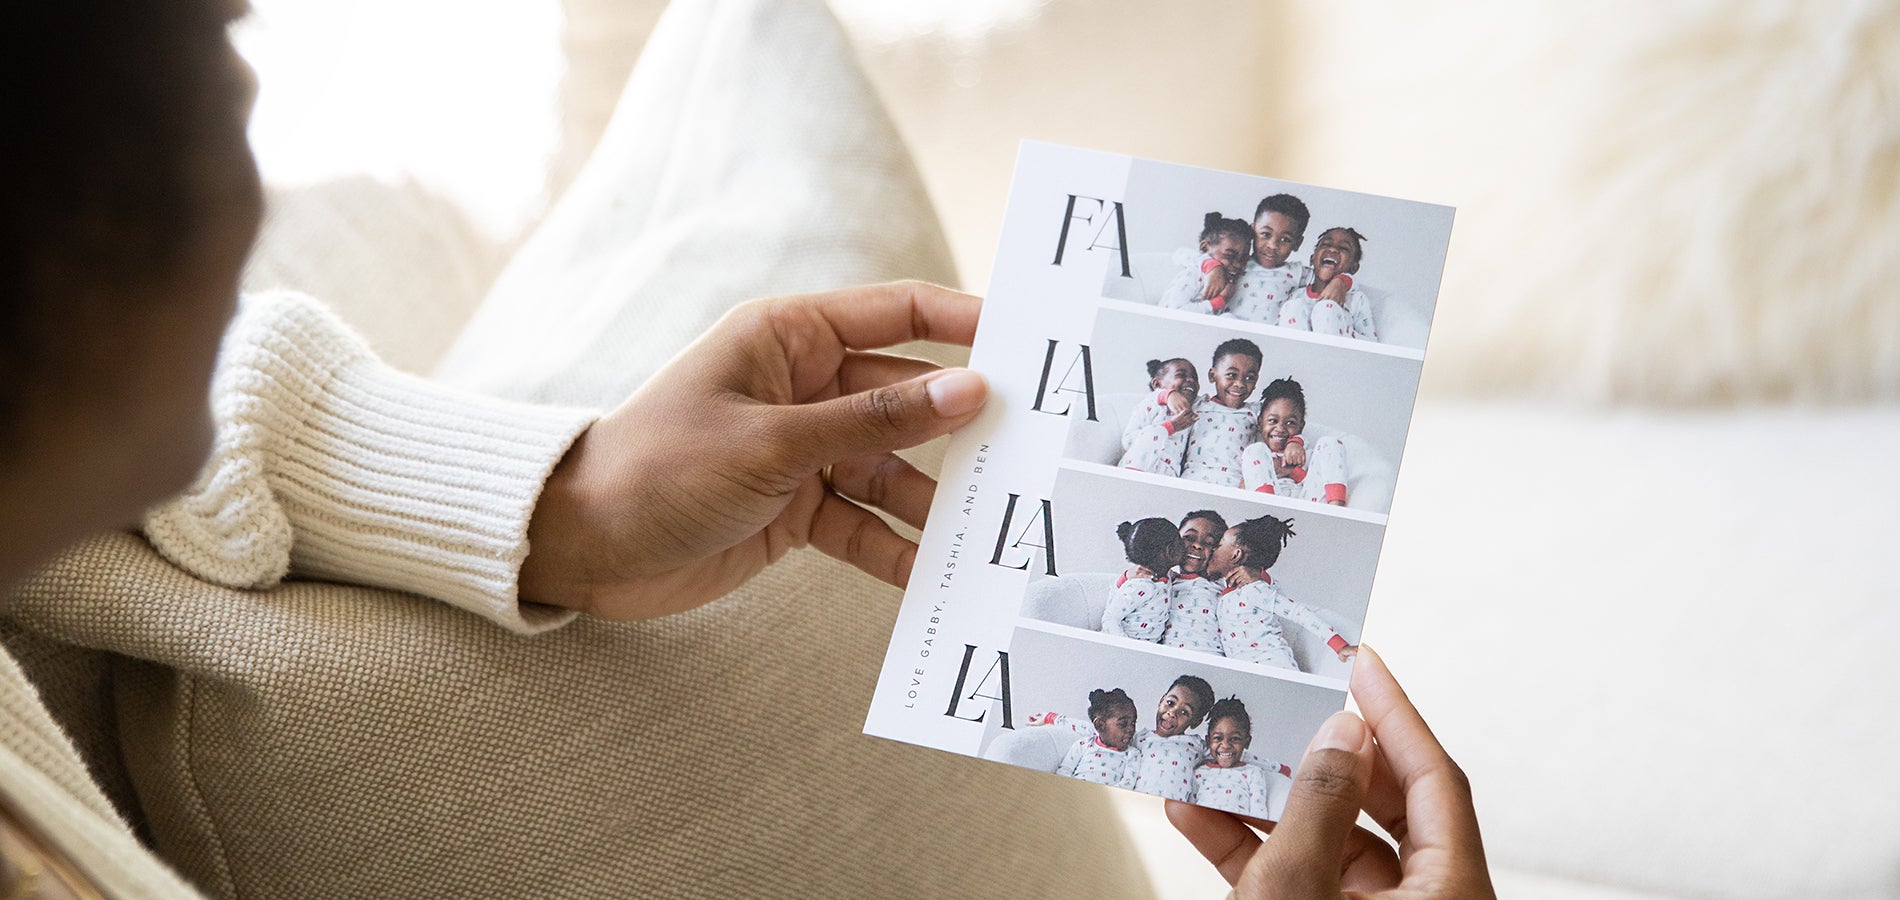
1230, 708
1101, 703
1358, 240
1286, 205
1146, 542
105, 103
1155, 366
1220, 524
1214, 225
1263, 538
1285, 388
1238, 347
1203, 696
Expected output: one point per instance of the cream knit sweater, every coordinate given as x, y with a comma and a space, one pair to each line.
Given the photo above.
331, 464
327, 464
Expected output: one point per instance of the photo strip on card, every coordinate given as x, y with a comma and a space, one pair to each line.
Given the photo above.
1149, 561
1182, 729
1254, 410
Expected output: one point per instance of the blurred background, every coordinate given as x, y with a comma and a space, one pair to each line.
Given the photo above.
1637, 573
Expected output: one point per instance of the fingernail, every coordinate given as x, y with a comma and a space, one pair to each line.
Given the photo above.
956, 392
1343, 731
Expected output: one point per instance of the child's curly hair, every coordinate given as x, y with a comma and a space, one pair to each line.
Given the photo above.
1287, 205
1263, 538
1220, 522
1358, 240
1146, 542
1231, 708
1238, 347
1284, 389
1156, 366
1102, 703
1215, 226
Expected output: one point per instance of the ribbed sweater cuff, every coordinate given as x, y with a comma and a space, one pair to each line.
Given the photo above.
330, 464
402, 483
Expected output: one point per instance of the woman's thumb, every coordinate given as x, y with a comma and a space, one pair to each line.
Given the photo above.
889, 418
1303, 856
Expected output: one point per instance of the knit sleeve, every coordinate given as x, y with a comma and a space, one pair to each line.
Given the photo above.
329, 464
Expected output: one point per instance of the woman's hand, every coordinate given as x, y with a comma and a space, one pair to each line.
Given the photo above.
712, 470
1347, 652
1391, 766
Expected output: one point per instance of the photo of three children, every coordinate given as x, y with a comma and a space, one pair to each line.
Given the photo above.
1202, 585
1246, 269
1173, 758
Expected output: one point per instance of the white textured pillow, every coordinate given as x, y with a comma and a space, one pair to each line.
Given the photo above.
1658, 203
401, 264
741, 195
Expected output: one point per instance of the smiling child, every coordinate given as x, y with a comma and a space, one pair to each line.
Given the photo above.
1271, 276
1193, 594
1205, 283
1284, 463
1226, 780
1168, 754
1155, 438
1332, 303
1225, 423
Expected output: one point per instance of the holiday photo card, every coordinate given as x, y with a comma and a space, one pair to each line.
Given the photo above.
1149, 560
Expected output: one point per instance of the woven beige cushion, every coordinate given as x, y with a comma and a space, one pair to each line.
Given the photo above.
323, 740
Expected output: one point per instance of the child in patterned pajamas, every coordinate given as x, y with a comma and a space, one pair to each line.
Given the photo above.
1138, 607
1271, 276
1285, 464
1331, 304
1166, 756
1251, 609
1104, 756
1226, 780
1205, 283
1192, 593
1155, 439
1225, 423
